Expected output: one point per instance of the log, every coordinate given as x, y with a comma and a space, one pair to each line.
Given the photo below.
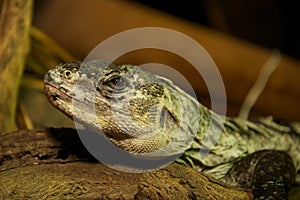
53, 164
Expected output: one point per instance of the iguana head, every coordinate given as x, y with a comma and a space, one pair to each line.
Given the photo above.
136, 110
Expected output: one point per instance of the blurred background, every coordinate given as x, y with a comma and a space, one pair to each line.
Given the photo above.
239, 35
271, 23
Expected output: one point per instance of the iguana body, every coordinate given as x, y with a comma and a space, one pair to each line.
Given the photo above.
147, 114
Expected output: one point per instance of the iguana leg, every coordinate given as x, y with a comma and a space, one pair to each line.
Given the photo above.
269, 173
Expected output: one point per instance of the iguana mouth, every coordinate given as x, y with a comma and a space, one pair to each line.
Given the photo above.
59, 99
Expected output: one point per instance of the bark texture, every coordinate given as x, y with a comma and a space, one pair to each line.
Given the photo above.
53, 164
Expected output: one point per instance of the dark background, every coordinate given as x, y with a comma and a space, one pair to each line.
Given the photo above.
271, 23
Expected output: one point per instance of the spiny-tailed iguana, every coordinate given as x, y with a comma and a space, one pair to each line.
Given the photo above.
144, 113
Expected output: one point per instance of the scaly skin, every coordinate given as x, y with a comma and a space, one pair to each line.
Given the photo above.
147, 114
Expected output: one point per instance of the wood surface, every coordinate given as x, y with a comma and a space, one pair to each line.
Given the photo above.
53, 164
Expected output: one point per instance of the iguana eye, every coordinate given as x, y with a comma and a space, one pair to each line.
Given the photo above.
116, 82
112, 82
68, 74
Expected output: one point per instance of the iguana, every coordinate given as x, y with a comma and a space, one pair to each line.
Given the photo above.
144, 113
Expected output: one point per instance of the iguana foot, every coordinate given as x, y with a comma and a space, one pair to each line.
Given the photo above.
269, 173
